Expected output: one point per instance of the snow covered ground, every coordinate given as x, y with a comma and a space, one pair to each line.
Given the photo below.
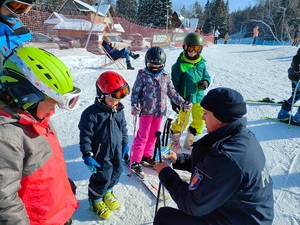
255, 71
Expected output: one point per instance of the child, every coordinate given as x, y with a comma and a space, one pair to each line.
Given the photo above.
12, 31
149, 100
34, 184
190, 77
103, 137
294, 76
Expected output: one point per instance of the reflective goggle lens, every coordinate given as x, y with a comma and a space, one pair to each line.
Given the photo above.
17, 7
153, 67
70, 99
120, 93
195, 48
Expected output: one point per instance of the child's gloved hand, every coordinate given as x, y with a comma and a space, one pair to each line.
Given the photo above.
91, 163
202, 85
186, 106
125, 152
135, 110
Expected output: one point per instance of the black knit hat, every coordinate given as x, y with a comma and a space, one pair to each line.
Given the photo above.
226, 104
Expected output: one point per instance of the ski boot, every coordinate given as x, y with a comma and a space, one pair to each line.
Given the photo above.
148, 161
100, 209
111, 201
296, 117
284, 115
189, 139
175, 141
138, 170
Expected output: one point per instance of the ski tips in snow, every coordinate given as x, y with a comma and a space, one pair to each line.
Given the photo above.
267, 101
291, 122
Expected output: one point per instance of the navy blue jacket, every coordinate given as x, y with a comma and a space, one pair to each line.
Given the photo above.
114, 53
229, 182
103, 131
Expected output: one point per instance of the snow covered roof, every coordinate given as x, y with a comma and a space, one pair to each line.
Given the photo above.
84, 7
61, 18
83, 25
118, 27
178, 30
104, 9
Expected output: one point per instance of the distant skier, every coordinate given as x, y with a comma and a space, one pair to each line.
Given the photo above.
255, 35
216, 35
103, 141
150, 92
294, 76
296, 38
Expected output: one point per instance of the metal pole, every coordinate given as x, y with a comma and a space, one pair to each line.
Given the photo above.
167, 19
90, 33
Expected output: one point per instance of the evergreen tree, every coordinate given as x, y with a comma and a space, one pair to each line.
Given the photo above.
126, 9
144, 12
183, 11
219, 13
208, 23
198, 13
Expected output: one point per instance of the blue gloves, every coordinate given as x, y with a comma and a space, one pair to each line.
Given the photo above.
125, 152
91, 163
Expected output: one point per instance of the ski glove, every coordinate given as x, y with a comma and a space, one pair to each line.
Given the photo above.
202, 85
186, 106
175, 107
91, 163
125, 152
135, 110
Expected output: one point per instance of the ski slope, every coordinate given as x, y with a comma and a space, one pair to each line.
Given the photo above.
255, 71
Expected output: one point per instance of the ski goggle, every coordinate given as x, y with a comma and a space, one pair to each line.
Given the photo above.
64, 101
191, 48
16, 7
120, 93
154, 67
68, 101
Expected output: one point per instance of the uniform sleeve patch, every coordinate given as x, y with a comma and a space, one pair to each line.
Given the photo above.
195, 180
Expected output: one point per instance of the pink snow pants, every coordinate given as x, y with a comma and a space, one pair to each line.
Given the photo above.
144, 142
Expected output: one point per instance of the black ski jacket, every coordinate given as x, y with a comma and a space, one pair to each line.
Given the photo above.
103, 132
229, 183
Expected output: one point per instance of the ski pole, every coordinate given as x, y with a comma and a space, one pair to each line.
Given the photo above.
131, 152
157, 145
293, 101
188, 100
169, 120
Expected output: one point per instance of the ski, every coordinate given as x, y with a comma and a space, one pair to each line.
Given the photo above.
267, 101
150, 181
280, 121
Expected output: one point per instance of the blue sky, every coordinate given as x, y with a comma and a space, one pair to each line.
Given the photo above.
233, 4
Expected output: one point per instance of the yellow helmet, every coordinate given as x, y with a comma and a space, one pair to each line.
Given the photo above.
31, 74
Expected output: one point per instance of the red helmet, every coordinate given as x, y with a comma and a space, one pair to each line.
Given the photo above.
112, 84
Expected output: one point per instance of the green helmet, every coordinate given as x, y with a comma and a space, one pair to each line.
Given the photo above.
31, 74
193, 39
